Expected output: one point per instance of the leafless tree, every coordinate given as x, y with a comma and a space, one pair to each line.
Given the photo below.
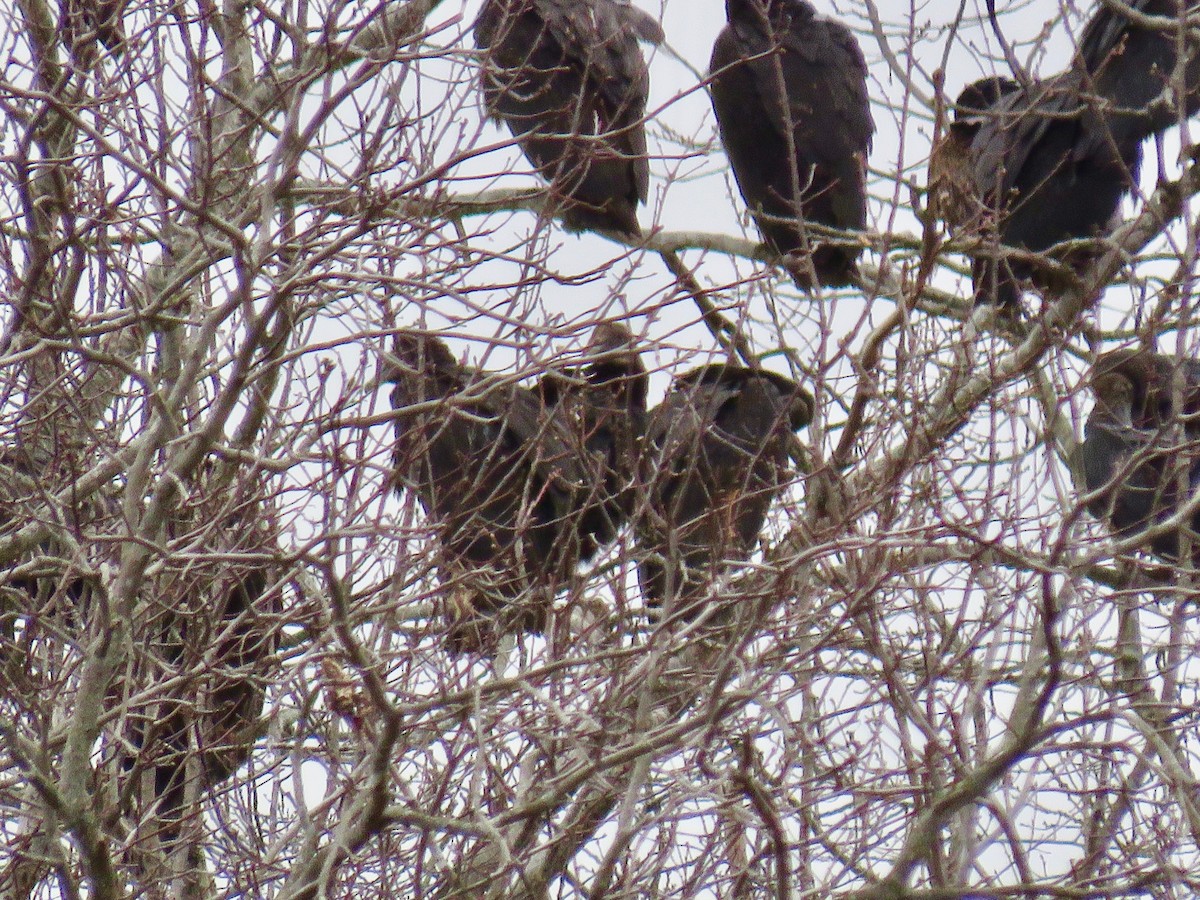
223, 668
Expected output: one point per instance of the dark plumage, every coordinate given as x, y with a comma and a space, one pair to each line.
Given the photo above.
207, 637
188, 702
1141, 445
247, 636
569, 80
84, 22
498, 472
230, 636
1050, 168
1052, 159
1131, 67
605, 404
790, 93
717, 457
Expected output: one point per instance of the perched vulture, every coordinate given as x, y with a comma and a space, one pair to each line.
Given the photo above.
789, 89
1051, 160
1142, 444
1131, 67
210, 632
569, 80
186, 707
498, 472
606, 408
717, 458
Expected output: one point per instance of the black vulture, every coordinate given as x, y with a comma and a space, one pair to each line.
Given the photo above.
188, 703
212, 630
246, 635
1052, 159
497, 471
789, 89
717, 457
606, 408
215, 719
1132, 65
1142, 444
569, 80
